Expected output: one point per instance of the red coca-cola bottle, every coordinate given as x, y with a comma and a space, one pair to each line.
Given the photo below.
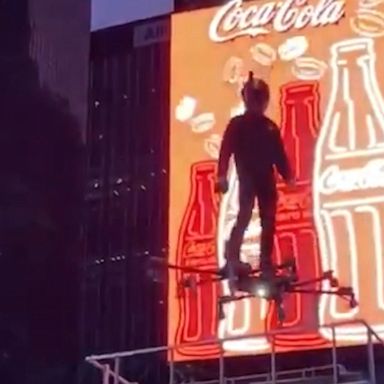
295, 233
300, 121
198, 310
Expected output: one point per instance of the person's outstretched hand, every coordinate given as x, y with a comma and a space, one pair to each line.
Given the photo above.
221, 185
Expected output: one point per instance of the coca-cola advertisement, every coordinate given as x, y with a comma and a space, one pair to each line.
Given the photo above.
321, 61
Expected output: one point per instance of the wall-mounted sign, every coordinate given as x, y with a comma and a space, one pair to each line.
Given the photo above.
321, 59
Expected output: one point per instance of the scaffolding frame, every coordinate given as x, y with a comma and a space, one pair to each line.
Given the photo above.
110, 364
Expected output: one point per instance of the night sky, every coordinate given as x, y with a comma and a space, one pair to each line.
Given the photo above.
106, 13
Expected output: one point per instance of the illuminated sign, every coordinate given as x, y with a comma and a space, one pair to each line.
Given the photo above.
321, 59
348, 185
232, 20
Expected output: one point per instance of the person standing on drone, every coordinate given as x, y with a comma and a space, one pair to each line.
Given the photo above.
255, 142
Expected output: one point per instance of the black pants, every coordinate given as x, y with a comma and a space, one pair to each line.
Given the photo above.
265, 194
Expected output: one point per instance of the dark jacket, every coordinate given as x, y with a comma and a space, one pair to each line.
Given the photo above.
257, 147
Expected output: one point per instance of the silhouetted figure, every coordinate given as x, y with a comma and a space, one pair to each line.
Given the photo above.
255, 142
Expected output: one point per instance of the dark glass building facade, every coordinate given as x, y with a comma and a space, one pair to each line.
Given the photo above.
43, 107
126, 199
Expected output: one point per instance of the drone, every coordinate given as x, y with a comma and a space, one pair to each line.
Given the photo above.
246, 282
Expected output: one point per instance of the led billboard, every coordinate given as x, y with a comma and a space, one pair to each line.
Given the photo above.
322, 60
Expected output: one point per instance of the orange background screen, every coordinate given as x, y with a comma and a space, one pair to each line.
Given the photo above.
327, 98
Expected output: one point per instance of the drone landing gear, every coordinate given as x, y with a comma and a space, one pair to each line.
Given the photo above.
275, 288
248, 283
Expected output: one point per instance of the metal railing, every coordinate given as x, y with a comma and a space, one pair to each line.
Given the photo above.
283, 377
109, 364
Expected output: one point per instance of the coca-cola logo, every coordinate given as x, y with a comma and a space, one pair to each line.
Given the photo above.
196, 248
335, 180
234, 20
294, 201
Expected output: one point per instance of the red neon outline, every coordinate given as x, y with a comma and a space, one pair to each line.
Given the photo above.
311, 100
208, 351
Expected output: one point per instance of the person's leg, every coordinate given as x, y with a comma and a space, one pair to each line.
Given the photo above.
267, 202
247, 197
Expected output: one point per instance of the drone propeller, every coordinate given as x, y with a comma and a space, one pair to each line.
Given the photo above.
248, 283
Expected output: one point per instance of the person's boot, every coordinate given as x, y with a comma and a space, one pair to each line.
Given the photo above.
233, 269
242, 268
266, 268
234, 265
